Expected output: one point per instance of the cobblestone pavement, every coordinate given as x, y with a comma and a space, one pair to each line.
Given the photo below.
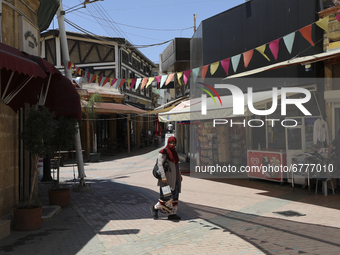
226, 216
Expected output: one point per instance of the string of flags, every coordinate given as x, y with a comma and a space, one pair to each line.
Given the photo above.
183, 77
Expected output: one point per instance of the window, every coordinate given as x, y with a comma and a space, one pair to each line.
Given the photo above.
135, 63
133, 76
125, 57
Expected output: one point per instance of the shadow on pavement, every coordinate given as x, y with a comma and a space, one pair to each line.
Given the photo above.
109, 207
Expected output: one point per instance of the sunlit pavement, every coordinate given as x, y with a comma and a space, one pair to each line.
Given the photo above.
226, 216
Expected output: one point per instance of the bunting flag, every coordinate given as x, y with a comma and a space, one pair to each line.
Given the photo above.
129, 82
195, 73
72, 71
151, 79
225, 63
99, 81
158, 78
86, 75
170, 77
118, 83
139, 80
338, 16
204, 72
163, 79
93, 78
306, 32
122, 81
179, 76
213, 67
113, 82
323, 23
133, 82
144, 81
69, 64
247, 56
89, 76
105, 81
186, 76
110, 82
274, 47
77, 70
235, 60
262, 49
83, 73
289, 41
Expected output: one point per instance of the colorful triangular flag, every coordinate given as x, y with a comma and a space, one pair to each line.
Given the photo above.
204, 71
323, 23
235, 60
225, 63
262, 49
151, 79
306, 32
113, 82
213, 67
138, 82
247, 56
195, 73
122, 81
186, 76
144, 81
170, 77
163, 79
133, 82
289, 41
118, 83
274, 47
179, 76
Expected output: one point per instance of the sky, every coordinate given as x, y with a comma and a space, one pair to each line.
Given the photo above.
142, 23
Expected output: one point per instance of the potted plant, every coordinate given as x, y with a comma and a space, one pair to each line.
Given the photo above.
92, 115
64, 139
38, 130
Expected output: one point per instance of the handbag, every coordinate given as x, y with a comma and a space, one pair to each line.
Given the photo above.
156, 172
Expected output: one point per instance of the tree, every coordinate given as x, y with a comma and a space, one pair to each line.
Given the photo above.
38, 132
92, 115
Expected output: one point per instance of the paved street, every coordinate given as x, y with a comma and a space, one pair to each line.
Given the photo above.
218, 216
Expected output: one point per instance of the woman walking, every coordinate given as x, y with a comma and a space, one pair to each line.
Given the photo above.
173, 178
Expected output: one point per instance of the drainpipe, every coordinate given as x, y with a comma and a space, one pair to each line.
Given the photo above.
0, 20
66, 58
321, 5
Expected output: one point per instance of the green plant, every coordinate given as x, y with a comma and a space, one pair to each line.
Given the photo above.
38, 131
64, 137
92, 115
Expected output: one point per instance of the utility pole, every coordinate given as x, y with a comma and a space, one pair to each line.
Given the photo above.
195, 16
66, 58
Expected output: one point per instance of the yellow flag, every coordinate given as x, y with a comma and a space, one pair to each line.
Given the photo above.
213, 67
150, 81
97, 78
261, 49
179, 75
323, 23
129, 82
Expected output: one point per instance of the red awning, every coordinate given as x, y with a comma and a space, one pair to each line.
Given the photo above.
20, 79
57, 92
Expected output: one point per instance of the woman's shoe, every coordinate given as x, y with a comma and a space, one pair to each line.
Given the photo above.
174, 217
154, 212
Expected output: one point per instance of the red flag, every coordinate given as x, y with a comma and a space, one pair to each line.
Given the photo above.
225, 64
204, 71
274, 47
247, 56
306, 32
121, 83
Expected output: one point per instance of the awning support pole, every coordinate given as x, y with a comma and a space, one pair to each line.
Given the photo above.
9, 82
66, 58
13, 93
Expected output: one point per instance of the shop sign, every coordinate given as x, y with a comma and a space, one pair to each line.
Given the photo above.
28, 37
238, 100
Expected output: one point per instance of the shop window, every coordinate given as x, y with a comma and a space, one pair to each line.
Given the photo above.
102, 132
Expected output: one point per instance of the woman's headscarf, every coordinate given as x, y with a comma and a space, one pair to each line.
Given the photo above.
172, 153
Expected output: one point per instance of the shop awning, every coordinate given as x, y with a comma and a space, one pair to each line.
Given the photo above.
301, 60
191, 109
168, 106
112, 108
20, 78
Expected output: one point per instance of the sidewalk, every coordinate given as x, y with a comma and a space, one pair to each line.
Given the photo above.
235, 216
